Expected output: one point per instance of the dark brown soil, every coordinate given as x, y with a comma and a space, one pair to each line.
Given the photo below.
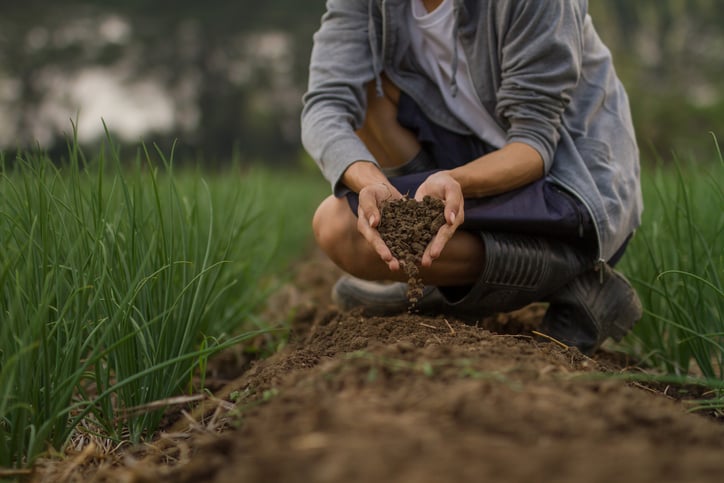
417, 399
407, 227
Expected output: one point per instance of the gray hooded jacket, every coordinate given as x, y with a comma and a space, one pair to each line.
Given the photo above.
538, 67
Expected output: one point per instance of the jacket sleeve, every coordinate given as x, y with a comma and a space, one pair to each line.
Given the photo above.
334, 104
541, 51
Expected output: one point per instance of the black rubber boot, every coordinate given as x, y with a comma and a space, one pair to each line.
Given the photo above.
595, 306
518, 270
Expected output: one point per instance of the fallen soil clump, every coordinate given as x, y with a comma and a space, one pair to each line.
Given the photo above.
407, 226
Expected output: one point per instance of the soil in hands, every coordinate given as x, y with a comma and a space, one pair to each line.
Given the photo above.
407, 226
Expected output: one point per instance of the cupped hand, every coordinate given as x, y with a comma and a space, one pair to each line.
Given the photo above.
443, 186
368, 218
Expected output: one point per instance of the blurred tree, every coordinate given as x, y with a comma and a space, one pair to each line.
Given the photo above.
227, 77
670, 55
235, 70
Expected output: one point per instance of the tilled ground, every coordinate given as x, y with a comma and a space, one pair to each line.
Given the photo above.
420, 399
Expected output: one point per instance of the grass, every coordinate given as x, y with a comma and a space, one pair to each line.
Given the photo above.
677, 264
117, 283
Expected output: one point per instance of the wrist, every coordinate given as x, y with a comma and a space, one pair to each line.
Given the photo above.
363, 173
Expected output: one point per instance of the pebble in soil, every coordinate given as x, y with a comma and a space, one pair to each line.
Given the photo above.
407, 226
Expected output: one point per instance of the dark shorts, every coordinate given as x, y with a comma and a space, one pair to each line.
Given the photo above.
541, 208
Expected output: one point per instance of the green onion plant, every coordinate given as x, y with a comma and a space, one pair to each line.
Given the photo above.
676, 261
118, 282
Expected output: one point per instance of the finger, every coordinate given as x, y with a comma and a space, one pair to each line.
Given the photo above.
454, 204
436, 246
365, 225
384, 252
373, 238
420, 193
454, 217
368, 210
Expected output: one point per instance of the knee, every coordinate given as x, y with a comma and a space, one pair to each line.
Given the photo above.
335, 231
327, 224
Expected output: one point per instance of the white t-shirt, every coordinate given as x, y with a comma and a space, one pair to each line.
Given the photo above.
432, 43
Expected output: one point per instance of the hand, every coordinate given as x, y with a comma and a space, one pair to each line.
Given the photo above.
443, 186
368, 217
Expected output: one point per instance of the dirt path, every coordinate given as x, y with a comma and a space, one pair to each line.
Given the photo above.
416, 399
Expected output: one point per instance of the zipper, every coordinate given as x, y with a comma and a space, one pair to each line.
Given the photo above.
572, 203
600, 262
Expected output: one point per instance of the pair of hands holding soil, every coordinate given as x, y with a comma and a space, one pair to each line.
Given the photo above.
411, 231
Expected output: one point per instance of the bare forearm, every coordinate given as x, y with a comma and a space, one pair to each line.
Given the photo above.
510, 167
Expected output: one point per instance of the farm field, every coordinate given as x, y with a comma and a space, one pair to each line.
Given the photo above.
419, 399
274, 383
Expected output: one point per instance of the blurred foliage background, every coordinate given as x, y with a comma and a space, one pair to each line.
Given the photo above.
225, 79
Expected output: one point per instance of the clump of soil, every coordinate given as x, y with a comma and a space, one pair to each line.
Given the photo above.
407, 226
